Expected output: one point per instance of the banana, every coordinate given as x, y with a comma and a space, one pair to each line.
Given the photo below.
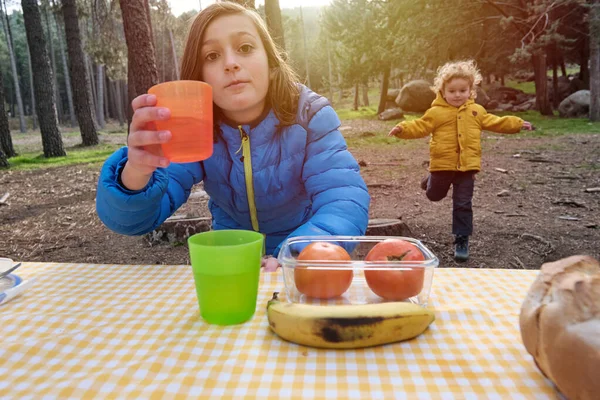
347, 326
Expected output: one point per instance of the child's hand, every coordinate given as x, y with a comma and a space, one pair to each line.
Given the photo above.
269, 264
527, 126
396, 131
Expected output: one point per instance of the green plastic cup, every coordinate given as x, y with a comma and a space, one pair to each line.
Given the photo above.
226, 266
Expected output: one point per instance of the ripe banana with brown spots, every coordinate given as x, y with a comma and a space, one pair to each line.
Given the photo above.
347, 326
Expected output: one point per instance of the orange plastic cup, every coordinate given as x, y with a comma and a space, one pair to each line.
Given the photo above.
191, 122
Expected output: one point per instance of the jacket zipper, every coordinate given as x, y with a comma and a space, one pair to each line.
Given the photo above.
247, 160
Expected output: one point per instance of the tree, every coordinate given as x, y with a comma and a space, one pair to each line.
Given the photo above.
6, 145
63, 56
594, 28
13, 66
273, 17
77, 71
142, 73
59, 106
42, 80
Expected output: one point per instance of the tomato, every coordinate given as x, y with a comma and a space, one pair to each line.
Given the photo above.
323, 284
395, 285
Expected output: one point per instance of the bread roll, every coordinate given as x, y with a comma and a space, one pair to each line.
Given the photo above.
560, 325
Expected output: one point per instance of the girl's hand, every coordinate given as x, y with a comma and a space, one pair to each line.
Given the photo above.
269, 264
144, 153
396, 131
527, 126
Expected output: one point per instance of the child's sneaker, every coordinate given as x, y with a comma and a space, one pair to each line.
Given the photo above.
461, 248
424, 182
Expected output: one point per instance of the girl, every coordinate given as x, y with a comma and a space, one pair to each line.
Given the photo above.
300, 178
455, 122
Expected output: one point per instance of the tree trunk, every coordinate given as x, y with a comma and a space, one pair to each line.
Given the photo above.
100, 94
365, 93
33, 113
117, 101
3, 161
66, 73
355, 107
106, 93
13, 66
340, 89
163, 59
594, 29
541, 84
142, 72
174, 53
92, 82
305, 49
584, 72
79, 78
6, 144
555, 99
273, 17
42, 80
384, 89
330, 68
57, 97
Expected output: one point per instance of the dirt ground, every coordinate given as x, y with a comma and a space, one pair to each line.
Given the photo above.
530, 204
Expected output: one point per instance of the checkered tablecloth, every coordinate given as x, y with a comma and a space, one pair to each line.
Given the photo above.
128, 331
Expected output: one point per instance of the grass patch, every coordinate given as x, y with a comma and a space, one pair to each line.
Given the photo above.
527, 87
75, 155
361, 113
553, 125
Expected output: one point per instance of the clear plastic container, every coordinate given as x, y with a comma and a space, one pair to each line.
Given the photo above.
393, 279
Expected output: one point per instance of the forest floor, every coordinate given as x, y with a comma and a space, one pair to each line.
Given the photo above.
532, 202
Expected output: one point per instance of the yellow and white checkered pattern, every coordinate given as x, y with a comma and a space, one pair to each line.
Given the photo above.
127, 331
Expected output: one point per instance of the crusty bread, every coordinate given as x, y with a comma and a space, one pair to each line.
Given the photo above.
560, 325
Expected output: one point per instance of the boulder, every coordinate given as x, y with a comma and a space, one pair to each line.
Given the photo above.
576, 105
415, 96
482, 98
392, 113
392, 94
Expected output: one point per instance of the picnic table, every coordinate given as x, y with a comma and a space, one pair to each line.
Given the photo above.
134, 331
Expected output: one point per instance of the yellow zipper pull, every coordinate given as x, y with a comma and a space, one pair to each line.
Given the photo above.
242, 136
247, 160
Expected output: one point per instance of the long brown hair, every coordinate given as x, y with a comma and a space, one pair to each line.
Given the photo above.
283, 91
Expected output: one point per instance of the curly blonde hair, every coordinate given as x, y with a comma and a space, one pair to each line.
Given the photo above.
458, 69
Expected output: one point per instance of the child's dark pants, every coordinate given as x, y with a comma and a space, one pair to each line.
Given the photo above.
462, 196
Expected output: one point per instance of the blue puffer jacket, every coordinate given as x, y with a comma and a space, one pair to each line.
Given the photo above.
305, 180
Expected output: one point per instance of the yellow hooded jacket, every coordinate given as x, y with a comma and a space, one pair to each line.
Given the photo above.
455, 143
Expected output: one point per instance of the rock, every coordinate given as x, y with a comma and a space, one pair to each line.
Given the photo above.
576, 105
177, 229
492, 105
503, 94
528, 105
415, 96
393, 113
504, 107
482, 98
503, 193
392, 94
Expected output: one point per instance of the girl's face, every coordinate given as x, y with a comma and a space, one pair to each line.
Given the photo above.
235, 64
457, 91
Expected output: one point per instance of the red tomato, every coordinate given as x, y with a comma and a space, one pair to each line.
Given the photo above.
323, 284
395, 285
